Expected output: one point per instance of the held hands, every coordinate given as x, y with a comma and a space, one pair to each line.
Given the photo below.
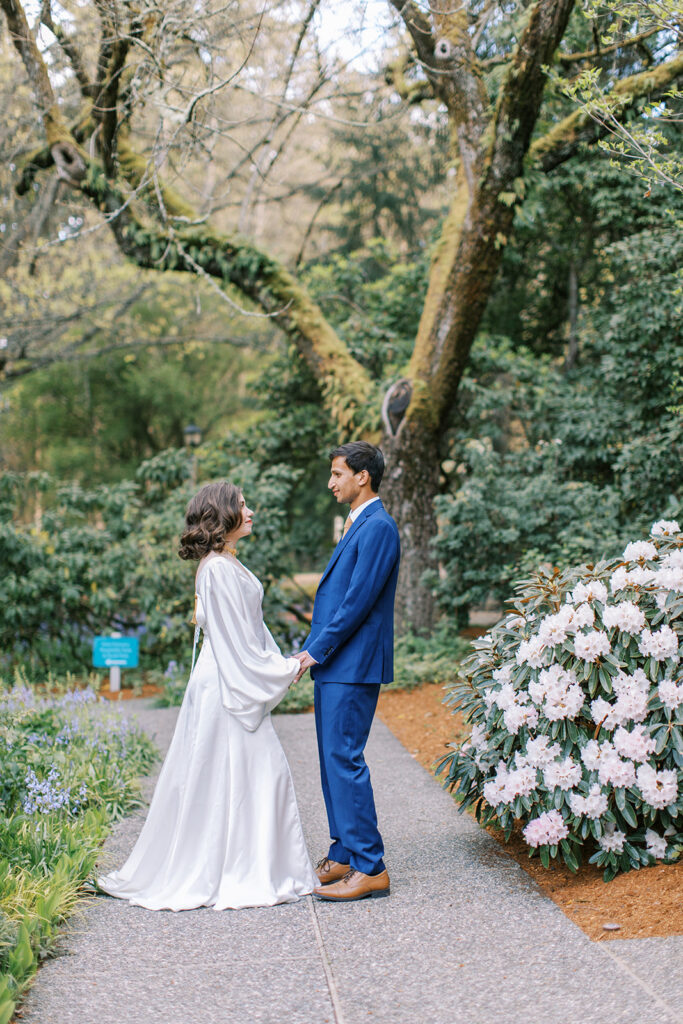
305, 661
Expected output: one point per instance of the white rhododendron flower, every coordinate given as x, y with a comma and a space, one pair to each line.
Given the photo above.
665, 528
518, 715
670, 693
583, 615
563, 703
540, 751
612, 840
626, 616
564, 774
593, 590
616, 771
624, 684
630, 707
659, 644
592, 806
504, 674
670, 577
638, 577
517, 711
639, 550
521, 782
658, 788
655, 844
619, 580
515, 622
531, 651
478, 738
546, 830
548, 678
637, 744
495, 789
553, 630
594, 753
558, 692
509, 784
602, 713
632, 697
505, 697
590, 646
631, 704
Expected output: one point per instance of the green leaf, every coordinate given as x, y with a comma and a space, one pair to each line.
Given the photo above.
629, 814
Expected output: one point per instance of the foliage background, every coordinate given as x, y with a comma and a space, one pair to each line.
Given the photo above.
566, 439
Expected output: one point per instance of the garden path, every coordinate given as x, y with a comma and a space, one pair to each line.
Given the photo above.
466, 935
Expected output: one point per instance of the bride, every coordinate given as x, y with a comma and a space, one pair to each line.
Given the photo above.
223, 829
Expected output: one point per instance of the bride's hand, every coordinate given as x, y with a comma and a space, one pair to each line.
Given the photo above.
305, 660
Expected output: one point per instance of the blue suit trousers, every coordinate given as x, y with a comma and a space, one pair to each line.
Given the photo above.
343, 716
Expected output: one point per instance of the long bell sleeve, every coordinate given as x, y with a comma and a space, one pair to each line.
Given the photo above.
253, 674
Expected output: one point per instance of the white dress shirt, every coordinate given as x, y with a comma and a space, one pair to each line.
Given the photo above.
355, 512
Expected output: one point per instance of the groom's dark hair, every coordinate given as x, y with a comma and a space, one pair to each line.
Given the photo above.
362, 455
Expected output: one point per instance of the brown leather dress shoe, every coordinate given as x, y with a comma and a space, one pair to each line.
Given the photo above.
330, 870
354, 886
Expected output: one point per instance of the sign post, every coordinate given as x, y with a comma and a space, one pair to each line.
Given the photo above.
115, 652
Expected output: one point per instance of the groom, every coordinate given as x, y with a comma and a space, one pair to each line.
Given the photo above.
350, 653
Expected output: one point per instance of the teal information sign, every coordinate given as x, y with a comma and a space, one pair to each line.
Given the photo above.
115, 651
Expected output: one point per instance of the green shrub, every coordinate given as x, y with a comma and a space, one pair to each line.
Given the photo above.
576, 706
428, 659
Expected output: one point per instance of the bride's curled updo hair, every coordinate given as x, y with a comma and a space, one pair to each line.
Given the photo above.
213, 513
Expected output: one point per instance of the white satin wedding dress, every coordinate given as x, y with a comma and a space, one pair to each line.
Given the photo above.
223, 829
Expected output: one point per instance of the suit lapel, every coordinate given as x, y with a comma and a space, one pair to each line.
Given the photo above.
369, 511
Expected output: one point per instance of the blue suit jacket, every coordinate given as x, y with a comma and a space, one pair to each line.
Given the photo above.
352, 630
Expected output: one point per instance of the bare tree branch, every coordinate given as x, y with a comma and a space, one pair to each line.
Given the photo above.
71, 49
31, 226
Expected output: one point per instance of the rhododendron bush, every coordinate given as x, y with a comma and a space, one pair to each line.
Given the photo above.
576, 706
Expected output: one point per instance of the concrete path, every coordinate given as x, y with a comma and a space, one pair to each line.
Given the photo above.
465, 938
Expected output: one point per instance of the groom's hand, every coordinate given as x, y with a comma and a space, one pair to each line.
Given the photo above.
305, 661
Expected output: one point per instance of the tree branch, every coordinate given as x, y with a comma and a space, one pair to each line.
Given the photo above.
106, 102
568, 59
25, 44
11, 371
344, 381
522, 91
71, 50
419, 28
411, 92
582, 126
30, 226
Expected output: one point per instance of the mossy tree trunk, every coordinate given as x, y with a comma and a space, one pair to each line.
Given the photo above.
155, 227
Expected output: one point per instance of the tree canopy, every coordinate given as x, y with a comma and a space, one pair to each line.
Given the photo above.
137, 109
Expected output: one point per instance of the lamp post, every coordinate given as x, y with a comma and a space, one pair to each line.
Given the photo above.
192, 438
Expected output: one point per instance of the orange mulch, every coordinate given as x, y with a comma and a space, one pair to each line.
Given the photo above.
643, 903
146, 690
